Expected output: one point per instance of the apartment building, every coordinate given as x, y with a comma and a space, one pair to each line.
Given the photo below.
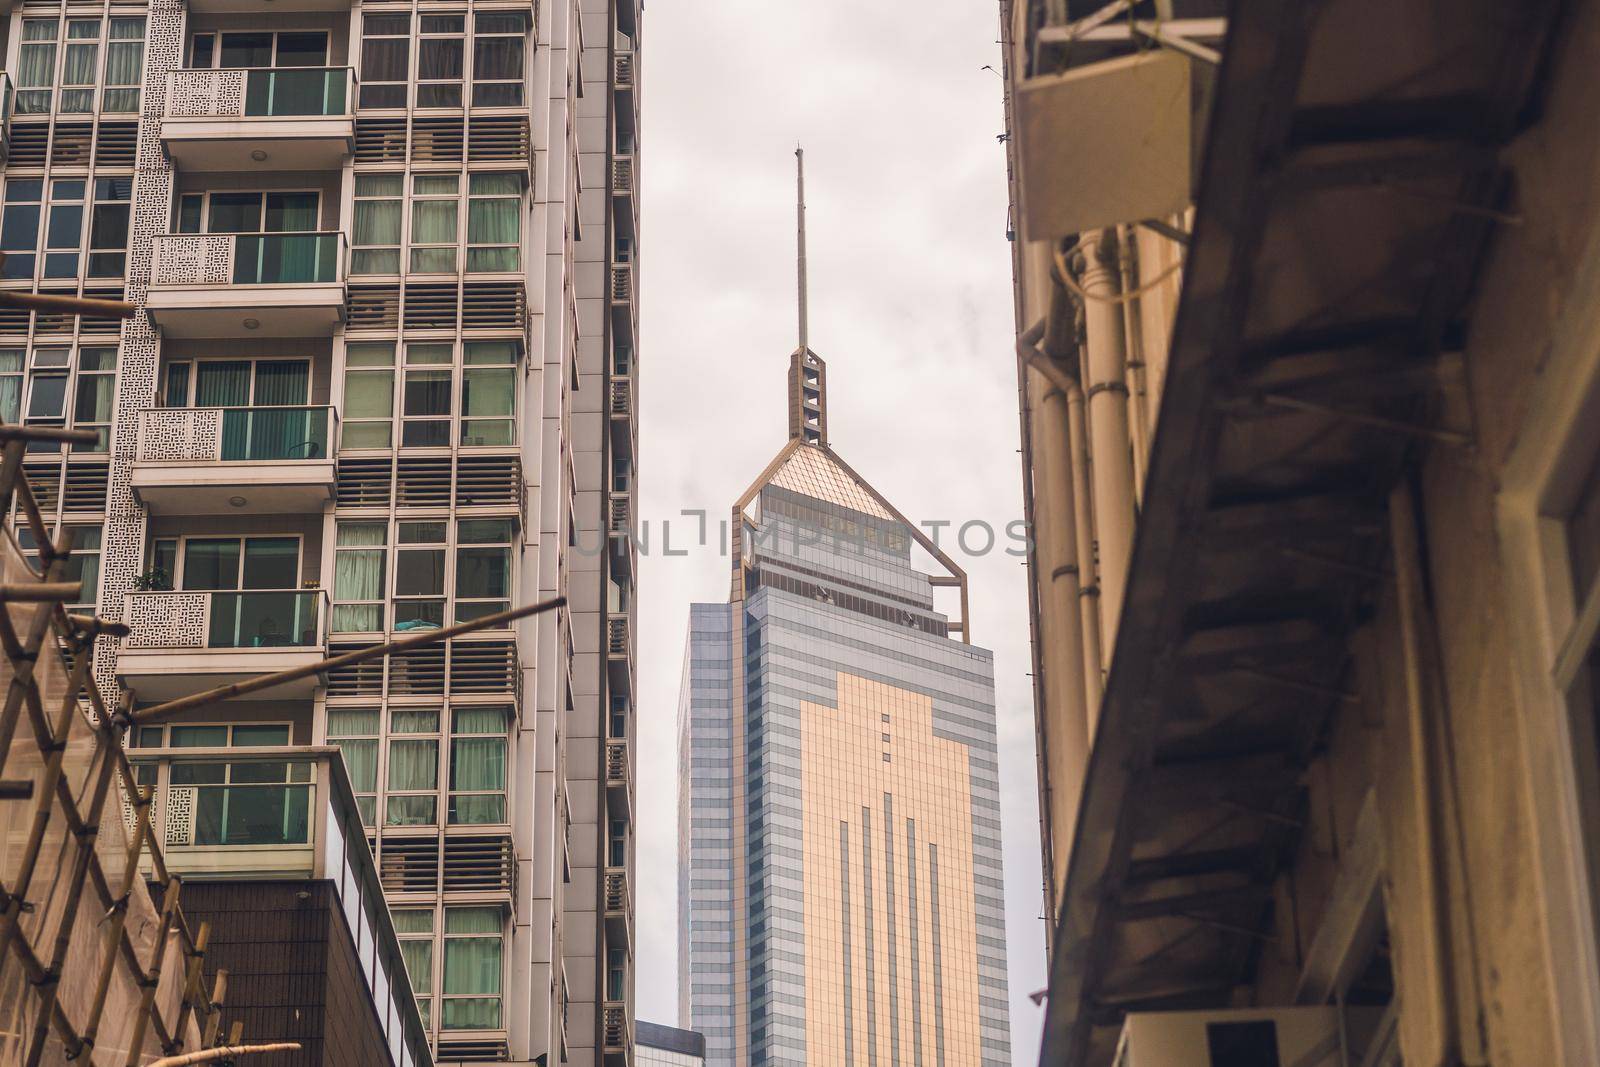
381, 382
668, 1046
1306, 320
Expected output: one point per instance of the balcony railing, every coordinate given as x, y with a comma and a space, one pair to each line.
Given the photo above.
624, 71
621, 513
261, 92
236, 435
245, 619
621, 397
289, 814
617, 1031
221, 259
622, 175
617, 761
621, 284
617, 637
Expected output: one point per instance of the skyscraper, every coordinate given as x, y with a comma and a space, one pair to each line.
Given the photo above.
839, 824
381, 381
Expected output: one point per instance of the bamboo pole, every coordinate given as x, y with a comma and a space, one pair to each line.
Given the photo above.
254, 685
207, 1055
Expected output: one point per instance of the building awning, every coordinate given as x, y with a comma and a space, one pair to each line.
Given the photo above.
1349, 186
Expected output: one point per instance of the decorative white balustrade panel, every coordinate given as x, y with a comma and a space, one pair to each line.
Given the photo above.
180, 818
168, 620
193, 259
205, 94
193, 434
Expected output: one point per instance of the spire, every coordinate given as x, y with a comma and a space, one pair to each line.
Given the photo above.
808, 375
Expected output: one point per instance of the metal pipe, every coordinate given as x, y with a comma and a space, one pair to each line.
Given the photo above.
1089, 594
1106, 397
1138, 422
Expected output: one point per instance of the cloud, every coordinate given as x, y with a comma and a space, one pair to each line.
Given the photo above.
911, 307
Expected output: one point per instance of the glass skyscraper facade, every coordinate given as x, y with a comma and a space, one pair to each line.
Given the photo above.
840, 883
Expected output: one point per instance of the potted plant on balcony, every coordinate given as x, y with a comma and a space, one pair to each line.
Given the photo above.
154, 580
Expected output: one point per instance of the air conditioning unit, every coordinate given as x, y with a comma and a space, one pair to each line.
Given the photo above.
1251, 1037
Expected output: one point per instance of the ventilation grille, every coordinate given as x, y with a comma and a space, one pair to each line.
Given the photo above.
56, 321
485, 481
431, 307
364, 483
498, 138
489, 1050
117, 144
45, 481
70, 145
373, 307
478, 864
424, 482
14, 319
409, 864
381, 141
436, 140
475, 668
483, 667
30, 144
356, 679
495, 306
86, 486
419, 672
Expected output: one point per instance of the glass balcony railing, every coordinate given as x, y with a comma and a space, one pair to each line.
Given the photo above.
254, 803
286, 258
288, 92
236, 435
260, 92
225, 619
275, 433
258, 618
215, 260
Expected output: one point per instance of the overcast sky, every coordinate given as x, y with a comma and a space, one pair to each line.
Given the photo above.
910, 306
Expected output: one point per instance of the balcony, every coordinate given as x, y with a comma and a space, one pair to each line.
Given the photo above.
285, 814
617, 1032
264, 461
619, 908
264, 118
619, 775
189, 641
248, 284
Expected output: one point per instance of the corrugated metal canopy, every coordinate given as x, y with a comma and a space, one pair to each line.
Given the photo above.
1345, 200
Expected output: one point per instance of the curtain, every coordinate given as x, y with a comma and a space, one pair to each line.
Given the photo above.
358, 576
418, 955
494, 222
276, 435
124, 64
10, 385
377, 222
413, 766
478, 765
472, 966
225, 383
433, 222
361, 761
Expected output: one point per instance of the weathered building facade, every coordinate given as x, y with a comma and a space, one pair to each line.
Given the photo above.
1310, 455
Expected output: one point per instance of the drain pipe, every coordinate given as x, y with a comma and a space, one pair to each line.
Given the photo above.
1057, 566
1106, 397
1139, 425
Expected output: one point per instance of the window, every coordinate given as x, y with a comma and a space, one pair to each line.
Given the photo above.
617, 845
36, 66
427, 395
472, 967
124, 67
440, 51
375, 243
52, 377
483, 567
358, 576
368, 396
494, 221
498, 46
414, 927
19, 227
413, 782
252, 212
259, 48
616, 975
489, 393
108, 224
419, 575
435, 203
478, 764
80, 68
82, 566
355, 732
214, 735
64, 234
385, 59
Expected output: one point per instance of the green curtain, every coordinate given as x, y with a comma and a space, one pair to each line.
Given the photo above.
493, 222
358, 565
361, 760
10, 385
472, 966
413, 765
478, 766
124, 65
222, 383
419, 962
433, 222
276, 435
36, 66
377, 222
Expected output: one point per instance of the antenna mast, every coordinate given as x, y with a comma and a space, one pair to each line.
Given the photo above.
800, 218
